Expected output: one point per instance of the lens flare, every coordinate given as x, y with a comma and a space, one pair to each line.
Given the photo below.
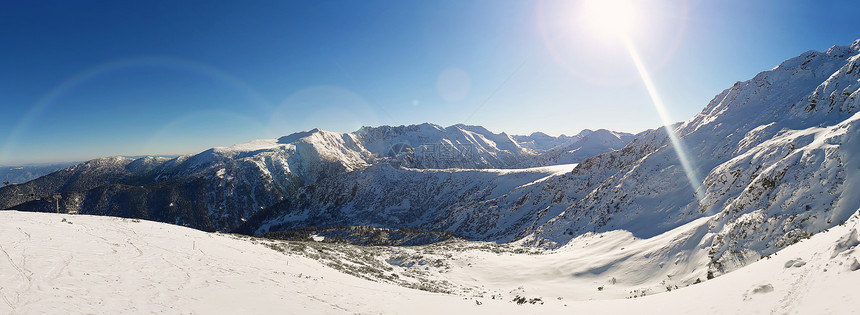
683, 157
26, 122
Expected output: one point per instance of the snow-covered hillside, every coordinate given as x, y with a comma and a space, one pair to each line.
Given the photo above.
776, 154
487, 204
52, 263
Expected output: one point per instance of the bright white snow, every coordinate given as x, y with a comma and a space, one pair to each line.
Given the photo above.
63, 264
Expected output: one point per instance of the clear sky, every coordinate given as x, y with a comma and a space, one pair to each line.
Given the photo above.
84, 79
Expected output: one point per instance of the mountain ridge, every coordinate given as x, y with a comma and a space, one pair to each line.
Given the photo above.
229, 184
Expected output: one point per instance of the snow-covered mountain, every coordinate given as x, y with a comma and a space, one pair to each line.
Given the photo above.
430, 146
589, 144
775, 156
220, 188
540, 141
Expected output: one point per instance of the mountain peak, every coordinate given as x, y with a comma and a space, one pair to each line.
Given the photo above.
840, 51
539, 134
855, 46
298, 135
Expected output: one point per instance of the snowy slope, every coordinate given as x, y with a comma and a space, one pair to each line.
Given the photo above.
487, 204
82, 264
776, 156
85, 264
815, 276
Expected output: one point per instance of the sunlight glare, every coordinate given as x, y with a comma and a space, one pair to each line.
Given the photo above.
609, 17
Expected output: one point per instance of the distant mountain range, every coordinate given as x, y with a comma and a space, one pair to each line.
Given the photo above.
24, 173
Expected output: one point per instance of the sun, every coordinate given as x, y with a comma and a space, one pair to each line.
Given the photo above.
609, 17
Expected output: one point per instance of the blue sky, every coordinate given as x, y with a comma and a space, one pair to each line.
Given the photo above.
83, 79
